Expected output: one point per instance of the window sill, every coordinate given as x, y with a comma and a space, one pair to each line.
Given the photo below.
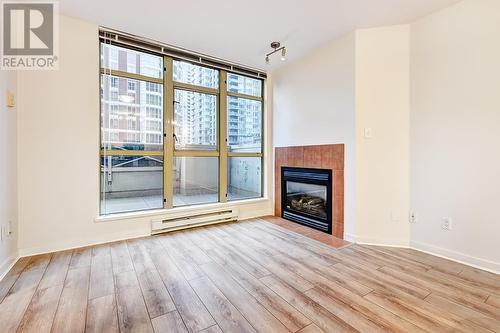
166, 212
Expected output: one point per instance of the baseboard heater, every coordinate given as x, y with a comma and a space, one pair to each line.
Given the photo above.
193, 219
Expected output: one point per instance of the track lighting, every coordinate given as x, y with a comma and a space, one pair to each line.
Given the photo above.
277, 47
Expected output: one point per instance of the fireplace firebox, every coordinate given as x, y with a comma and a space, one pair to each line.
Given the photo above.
306, 197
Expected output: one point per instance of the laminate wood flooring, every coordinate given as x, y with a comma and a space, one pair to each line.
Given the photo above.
249, 276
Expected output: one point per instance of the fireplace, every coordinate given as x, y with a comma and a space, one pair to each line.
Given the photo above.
306, 197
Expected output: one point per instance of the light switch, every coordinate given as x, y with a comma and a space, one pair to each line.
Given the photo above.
10, 100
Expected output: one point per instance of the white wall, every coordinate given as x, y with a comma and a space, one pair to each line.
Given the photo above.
314, 104
8, 170
455, 154
382, 161
58, 138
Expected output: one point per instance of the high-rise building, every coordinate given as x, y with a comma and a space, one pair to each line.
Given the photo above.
244, 115
131, 110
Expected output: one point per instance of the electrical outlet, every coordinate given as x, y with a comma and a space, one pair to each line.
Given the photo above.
412, 217
446, 223
367, 133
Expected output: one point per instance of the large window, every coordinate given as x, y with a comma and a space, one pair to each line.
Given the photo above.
174, 133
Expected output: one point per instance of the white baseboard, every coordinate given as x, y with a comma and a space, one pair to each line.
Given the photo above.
349, 237
73, 244
375, 241
459, 257
7, 264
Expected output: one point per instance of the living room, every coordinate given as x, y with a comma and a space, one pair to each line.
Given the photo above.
216, 166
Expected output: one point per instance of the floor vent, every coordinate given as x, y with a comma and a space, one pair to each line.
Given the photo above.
193, 219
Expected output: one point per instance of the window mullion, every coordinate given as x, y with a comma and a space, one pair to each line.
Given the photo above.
168, 138
223, 136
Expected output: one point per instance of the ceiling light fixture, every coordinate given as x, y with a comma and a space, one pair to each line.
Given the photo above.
277, 47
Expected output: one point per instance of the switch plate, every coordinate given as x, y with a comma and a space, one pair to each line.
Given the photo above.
367, 132
11, 102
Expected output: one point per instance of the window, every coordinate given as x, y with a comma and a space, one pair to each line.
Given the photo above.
153, 99
244, 85
185, 72
130, 181
244, 137
164, 151
129, 114
244, 129
151, 87
195, 180
195, 119
244, 178
114, 82
126, 60
131, 85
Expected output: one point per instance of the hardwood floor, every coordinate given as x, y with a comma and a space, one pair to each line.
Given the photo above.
322, 237
251, 276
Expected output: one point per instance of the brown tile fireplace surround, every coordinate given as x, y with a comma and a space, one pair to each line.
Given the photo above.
318, 157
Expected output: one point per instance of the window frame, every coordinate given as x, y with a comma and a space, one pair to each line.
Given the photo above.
169, 152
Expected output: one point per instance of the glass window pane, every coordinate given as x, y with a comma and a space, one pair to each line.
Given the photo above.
186, 72
195, 121
244, 85
131, 183
196, 180
244, 178
244, 125
131, 114
131, 61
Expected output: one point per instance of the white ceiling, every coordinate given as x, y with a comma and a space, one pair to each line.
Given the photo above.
241, 30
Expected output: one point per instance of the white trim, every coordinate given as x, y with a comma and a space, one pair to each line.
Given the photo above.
8, 264
349, 237
159, 213
487, 265
462, 258
73, 244
376, 241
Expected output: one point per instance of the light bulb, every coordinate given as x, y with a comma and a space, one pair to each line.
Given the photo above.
283, 54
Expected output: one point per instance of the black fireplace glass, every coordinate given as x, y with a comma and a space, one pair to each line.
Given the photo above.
307, 199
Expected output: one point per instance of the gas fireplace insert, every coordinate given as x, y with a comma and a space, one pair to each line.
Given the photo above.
306, 197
